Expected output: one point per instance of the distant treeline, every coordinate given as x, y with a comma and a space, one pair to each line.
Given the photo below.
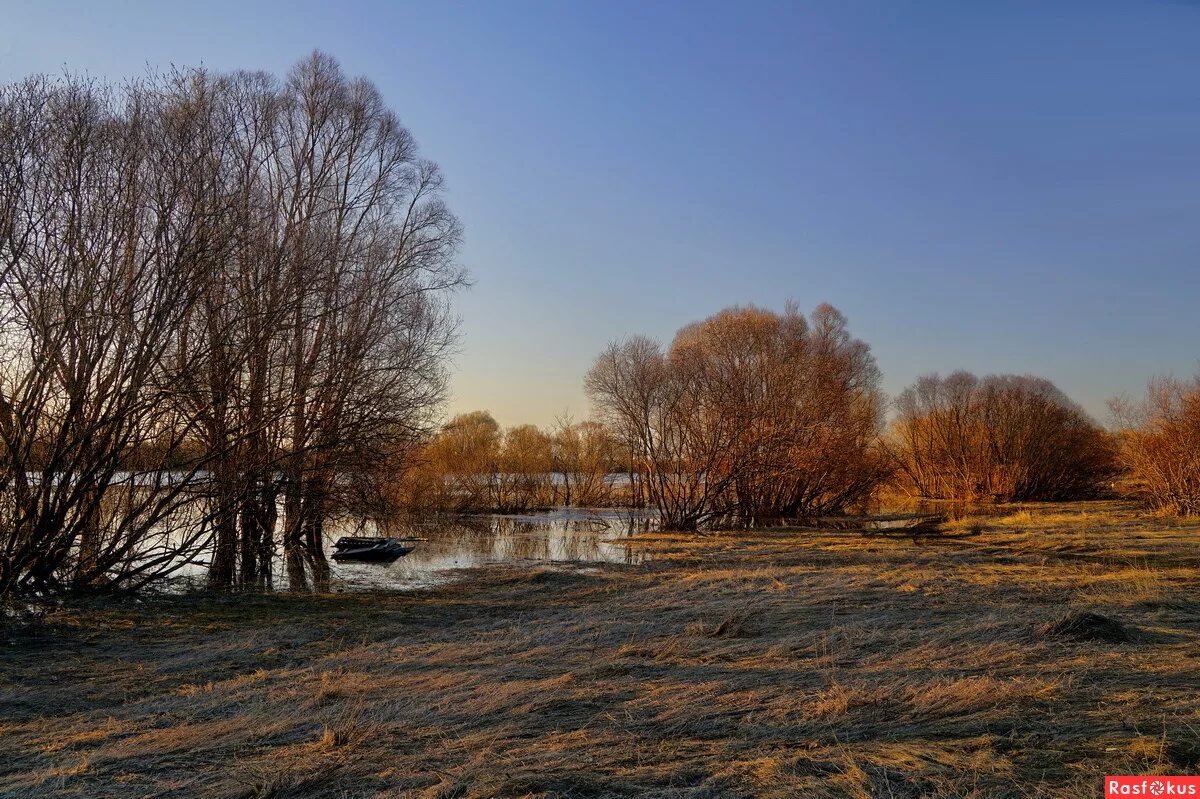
473, 465
753, 415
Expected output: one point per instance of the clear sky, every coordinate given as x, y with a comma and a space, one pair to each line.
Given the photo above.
994, 186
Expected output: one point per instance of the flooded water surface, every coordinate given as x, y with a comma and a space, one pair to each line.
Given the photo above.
455, 542
450, 544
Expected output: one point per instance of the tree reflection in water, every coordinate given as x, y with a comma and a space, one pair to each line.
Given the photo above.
472, 541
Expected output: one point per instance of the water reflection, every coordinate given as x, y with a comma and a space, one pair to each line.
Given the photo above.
466, 542
601, 535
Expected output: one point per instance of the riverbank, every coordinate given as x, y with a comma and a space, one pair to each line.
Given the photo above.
774, 663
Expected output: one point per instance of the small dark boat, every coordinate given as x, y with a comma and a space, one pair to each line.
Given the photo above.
370, 550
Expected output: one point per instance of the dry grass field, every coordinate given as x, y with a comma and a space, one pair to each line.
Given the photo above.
774, 663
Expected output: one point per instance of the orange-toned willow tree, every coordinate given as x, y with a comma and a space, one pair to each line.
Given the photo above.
750, 414
474, 465
1003, 436
1160, 445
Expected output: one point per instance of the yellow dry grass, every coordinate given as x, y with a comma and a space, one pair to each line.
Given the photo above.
763, 663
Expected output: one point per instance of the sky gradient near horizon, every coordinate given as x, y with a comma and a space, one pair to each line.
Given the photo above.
1001, 187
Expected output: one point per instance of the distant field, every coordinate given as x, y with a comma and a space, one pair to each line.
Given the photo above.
764, 664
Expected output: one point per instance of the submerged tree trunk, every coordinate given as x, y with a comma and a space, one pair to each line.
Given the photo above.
314, 533
293, 532
258, 516
89, 548
223, 568
304, 533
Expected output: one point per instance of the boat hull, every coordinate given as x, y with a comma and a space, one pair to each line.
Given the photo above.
384, 552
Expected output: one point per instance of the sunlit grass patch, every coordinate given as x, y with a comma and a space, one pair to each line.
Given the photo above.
83, 737
1028, 518
58, 776
1132, 586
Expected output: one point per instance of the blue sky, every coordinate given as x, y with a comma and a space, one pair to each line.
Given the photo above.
992, 186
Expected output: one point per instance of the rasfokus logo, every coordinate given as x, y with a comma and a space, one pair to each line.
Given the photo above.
1151, 786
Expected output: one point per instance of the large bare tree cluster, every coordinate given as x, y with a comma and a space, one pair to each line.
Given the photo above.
219, 294
1004, 436
749, 414
1160, 444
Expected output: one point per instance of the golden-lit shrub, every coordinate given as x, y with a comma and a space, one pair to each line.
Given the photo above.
454, 470
522, 478
805, 395
584, 454
1160, 445
1003, 436
473, 465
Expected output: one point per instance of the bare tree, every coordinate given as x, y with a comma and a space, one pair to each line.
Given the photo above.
1003, 436
584, 455
327, 325
807, 397
111, 209
1160, 444
522, 477
750, 414
367, 246
456, 467
677, 438
244, 278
